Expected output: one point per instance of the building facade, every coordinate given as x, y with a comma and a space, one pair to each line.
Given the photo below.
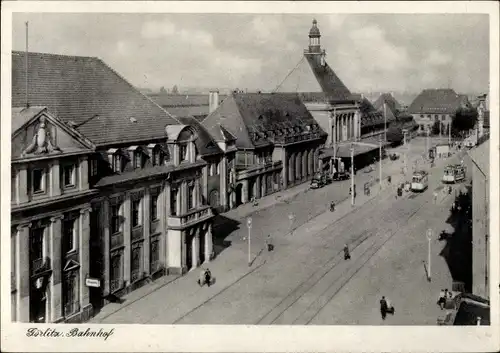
479, 157
137, 199
436, 105
276, 138
50, 214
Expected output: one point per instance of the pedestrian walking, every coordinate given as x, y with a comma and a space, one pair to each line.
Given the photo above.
442, 299
383, 308
208, 277
435, 197
269, 245
347, 255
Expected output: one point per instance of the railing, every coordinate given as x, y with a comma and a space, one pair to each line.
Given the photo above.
116, 240
114, 285
41, 264
135, 275
71, 308
137, 233
191, 217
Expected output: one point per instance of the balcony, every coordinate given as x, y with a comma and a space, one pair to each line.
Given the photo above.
40, 265
190, 218
116, 240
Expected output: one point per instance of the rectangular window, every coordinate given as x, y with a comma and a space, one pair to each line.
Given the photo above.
157, 157
115, 218
38, 180
117, 163
13, 186
136, 264
217, 168
69, 175
173, 201
136, 213
154, 206
183, 152
36, 250
190, 196
93, 167
116, 271
155, 255
138, 159
71, 293
69, 240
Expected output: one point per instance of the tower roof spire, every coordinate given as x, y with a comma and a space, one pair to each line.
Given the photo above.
314, 32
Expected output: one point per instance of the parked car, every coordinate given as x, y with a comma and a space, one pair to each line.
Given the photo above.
341, 176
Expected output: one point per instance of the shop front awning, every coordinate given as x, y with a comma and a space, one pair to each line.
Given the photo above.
344, 151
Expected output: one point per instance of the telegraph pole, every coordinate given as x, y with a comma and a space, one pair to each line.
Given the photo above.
380, 157
429, 238
427, 144
352, 175
249, 225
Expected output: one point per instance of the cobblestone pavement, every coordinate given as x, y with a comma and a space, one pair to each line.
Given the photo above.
248, 295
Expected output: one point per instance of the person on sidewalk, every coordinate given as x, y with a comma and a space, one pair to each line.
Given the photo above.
442, 299
347, 255
383, 308
208, 277
269, 244
201, 280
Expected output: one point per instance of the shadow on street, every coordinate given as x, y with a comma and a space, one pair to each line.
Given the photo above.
458, 249
223, 227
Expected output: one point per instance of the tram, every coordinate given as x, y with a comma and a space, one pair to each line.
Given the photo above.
419, 181
453, 174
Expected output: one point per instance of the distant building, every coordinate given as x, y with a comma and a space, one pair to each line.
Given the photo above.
436, 105
479, 157
278, 141
140, 211
396, 114
181, 105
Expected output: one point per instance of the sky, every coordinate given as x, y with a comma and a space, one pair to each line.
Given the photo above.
369, 52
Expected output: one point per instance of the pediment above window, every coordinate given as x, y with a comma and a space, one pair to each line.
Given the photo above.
71, 265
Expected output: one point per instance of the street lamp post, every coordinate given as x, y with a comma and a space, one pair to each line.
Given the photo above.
385, 122
427, 143
380, 158
429, 238
249, 225
406, 152
352, 175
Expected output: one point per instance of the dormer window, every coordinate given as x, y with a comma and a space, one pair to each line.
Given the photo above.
183, 152
117, 163
157, 156
138, 159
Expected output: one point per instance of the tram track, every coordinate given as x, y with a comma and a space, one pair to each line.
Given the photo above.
272, 316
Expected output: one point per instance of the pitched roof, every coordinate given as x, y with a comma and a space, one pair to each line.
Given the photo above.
369, 115
437, 101
205, 144
392, 105
250, 116
330, 83
182, 100
20, 116
88, 92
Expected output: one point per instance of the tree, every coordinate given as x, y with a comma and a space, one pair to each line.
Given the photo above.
463, 120
163, 90
395, 134
175, 90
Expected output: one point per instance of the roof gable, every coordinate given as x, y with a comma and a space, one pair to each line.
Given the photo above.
438, 101
43, 135
330, 83
84, 90
204, 142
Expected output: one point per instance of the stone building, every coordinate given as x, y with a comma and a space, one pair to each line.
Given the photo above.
436, 105
50, 212
148, 176
347, 117
277, 141
479, 157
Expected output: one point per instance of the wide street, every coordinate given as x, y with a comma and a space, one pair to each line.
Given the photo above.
306, 280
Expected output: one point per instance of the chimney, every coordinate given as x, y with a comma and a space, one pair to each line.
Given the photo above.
213, 100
